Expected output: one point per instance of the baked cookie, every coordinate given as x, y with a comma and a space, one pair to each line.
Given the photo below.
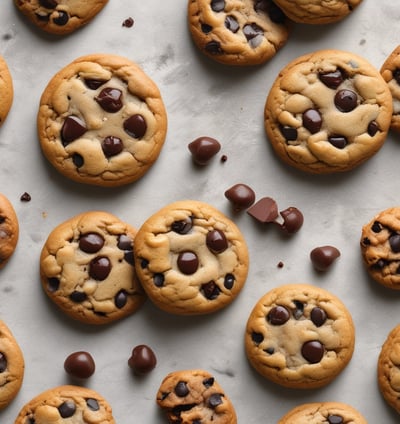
60, 16
102, 121
9, 230
87, 268
6, 90
12, 366
328, 111
323, 413
66, 404
194, 396
317, 11
299, 336
247, 32
390, 71
190, 258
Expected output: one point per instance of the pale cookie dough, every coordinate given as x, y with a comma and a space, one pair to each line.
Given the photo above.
102, 121
232, 32
12, 366
6, 90
328, 111
390, 71
60, 16
190, 258
66, 405
9, 230
87, 268
299, 336
194, 396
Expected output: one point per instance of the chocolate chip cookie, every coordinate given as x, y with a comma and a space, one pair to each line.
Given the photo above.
67, 404
194, 396
87, 268
12, 366
299, 336
247, 32
6, 90
60, 16
102, 121
328, 111
9, 230
190, 258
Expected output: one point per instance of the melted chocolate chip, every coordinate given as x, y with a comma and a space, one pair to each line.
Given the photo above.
112, 146
394, 241
215, 400
257, 337
332, 79
203, 149
181, 389
121, 299
188, 262
99, 268
135, 126
91, 242
94, 84
53, 284
48, 4
292, 220
92, 404
254, 34
346, 100
213, 47
110, 99
335, 419
312, 120
241, 196
183, 226
67, 409
77, 160
373, 128
158, 280
80, 364
3, 362
278, 315
232, 24
216, 241
318, 316
217, 5
289, 133
143, 360
229, 281
78, 297
210, 290
62, 18
73, 128
313, 351
338, 141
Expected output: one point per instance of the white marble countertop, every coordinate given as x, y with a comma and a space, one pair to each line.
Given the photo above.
202, 98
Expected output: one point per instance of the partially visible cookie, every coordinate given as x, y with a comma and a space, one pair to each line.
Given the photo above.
9, 230
299, 336
12, 366
6, 90
328, 111
60, 16
248, 32
87, 268
194, 396
390, 71
190, 258
66, 404
102, 121
323, 413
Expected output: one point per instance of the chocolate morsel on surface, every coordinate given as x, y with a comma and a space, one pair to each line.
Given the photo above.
214, 400
373, 128
99, 268
92, 404
143, 360
121, 298
181, 389
124, 242
332, 79
91, 242
322, 257
241, 196
216, 241
312, 120
188, 262
265, 210
80, 365
67, 409
346, 100
128, 22
338, 141
112, 146
110, 99
292, 220
229, 281
25, 197
77, 296
3, 362
62, 18
135, 126
278, 315
73, 128
210, 290
313, 351
203, 149
289, 133
318, 316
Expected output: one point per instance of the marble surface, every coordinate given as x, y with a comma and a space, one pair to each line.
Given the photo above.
202, 98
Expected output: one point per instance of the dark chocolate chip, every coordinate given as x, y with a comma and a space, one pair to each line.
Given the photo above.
206, 29
217, 5
53, 284
394, 241
213, 47
338, 141
94, 84
241, 196
125, 242
73, 128
100, 268
210, 290
229, 281
112, 146
232, 24
254, 34
216, 241
128, 22
346, 100
188, 262
257, 337
135, 126
67, 409
332, 79
62, 18
121, 298
48, 4
158, 280
78, 297
25, 197
299, 309
78, 160
143, 360
278, 315
335, 419
91, 242
110, 99
144, 263
181, 389
203, 149
313, 351
183, 226
396, 75
269, 350
92, 404
3, 362
376, 227
215, 400
289, 133
318, 316
312, 120
379, 264
208, 382
373, 128
80, 364
366, 241
292, 220
323, 257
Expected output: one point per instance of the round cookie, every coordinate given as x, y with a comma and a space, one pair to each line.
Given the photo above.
328, 111
317, 11
248, 32
190, 258
6, 90
9, 230
12, 366
60, 16
87, 268
323, 413
67, 404
194, 396
102, 121
299, 336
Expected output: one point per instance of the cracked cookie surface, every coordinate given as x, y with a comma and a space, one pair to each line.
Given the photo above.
6, 90
9, 230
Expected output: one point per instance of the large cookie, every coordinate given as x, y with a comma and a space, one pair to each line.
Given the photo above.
190, 258
328, 111
6, 90
102, 121
9, 230
247, 32
87, 269
299, 336
66, 405
60, 16
194, 396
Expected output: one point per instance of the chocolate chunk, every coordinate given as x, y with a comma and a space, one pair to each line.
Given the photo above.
99, 268
48, 4
128, 22
143, 360
322, 257
62, 18
188, 262
91, 242
80, 364
265, 210
67, 409
53, 284
110, 99
94, 84
232, 24
312, 120
210, 290
346, 100
112, 146
318, 316
216, 241
332, 79
289, 133
338, 141
278, 315
135, 126
394, 241
257, 337
25, 197
208, 382
158, 280
292, 220
203, 149
213, 47
215, 400
77, 160
373, 128
241, 196
335, 419
121, 298
92, 404
229, 281
313, 351
217, 5
73, 128
3, 362
77, 296
182, 226
181, 389
254, 34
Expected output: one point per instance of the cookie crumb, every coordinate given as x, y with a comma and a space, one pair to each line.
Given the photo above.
26, 197
224, 158
128, 22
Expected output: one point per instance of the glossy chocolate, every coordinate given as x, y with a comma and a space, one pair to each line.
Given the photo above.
322, 257
292, 220
241, 196
143, 360
265, 210
203, 149
80, 365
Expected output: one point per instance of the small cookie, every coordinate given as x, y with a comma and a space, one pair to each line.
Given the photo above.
380, 247
12, 366
67, 404
9, 230
248, 32
194, 396
299, 336
190, 258
60, 16
317, 11
323, 413
102, 121
327, 112
87, 268
6, 90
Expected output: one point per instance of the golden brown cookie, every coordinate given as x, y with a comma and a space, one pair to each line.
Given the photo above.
233, 32
102, 121
9, 230
194, 396
190, 258
6, 90
328, 111
299, 336
87, 268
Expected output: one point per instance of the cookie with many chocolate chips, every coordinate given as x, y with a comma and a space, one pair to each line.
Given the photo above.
194, 396
6, 90
299, 336
190, 258
9, 230
66, 404
87, 268
247, 32
102, 121
60, 16
328, 111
